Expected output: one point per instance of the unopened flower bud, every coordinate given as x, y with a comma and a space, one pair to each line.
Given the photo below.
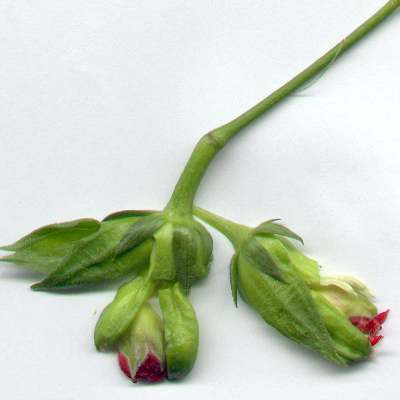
141, 353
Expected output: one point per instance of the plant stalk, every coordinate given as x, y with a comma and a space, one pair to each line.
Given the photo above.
181, 202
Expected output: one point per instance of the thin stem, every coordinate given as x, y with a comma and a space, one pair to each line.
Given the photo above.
181, 202
224, 133
235, 232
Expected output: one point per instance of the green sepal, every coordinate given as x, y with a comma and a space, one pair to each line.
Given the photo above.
43, 249
91, 259
204, 250
271, 228
288, 307
308, 269
117, 317
181, 331
162, 264
184, 248
192, 249
56, 234
139, 232
234, 278
348, 340
128, 213
260, 257
126, 265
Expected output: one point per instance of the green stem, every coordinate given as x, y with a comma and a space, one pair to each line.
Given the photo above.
235, 232
182, 198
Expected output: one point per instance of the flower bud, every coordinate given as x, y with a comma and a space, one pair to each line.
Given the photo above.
81, 252
181, 253
117, 317
286, 289
181, 248
181, 331
141, 353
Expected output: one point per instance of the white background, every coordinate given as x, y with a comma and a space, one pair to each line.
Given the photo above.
101, 103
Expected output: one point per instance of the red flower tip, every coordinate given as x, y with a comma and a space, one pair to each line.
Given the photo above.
124, 364
381, 317
374, 340
371, 326
150, 370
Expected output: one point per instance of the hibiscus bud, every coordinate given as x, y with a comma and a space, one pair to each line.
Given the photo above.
141, 353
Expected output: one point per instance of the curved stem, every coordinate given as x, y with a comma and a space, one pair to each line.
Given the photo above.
182, 198
235, 232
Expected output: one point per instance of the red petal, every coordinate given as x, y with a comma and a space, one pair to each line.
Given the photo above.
381, 317
361, 323
124, 364
375, 339
150, 370
373, 327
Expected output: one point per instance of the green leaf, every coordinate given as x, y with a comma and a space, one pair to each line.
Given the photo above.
259, 256
234, 278
271, 228
128, 213
87, 253
139, 232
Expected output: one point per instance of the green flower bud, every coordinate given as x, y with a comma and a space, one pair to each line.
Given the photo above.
334, 316
181, 248
118, 316
269, 282
81, 252
141, 350
181, 331
286, 288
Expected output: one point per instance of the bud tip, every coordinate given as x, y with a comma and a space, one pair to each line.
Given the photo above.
150, 370
371, 326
